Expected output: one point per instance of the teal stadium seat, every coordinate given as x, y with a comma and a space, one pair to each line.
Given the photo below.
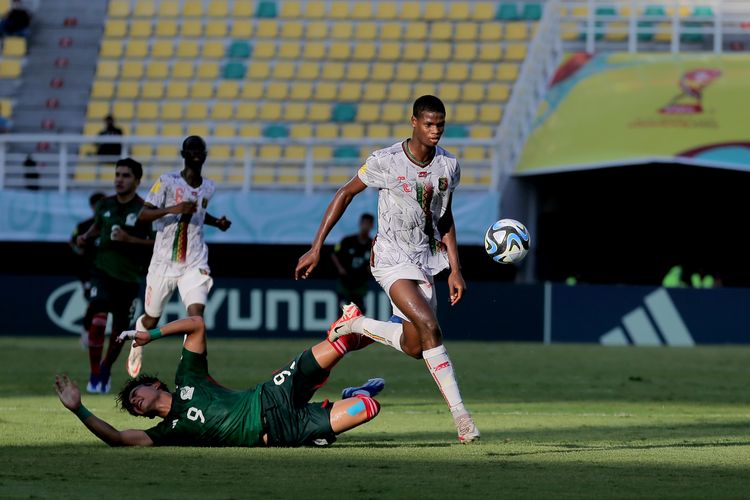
276, 131
507, 12
454, 131
240, 50
694, 37
266, 9
606, 11
532, 12
346, 152
234, 71
344, 112
651, 10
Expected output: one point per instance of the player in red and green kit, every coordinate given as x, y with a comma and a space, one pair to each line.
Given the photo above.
124, 245
200, 412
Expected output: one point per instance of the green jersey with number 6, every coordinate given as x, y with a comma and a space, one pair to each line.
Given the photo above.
204, 413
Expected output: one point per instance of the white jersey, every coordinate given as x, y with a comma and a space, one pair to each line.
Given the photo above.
179, 244
411, 200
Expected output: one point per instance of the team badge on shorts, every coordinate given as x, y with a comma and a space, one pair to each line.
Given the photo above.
443, 183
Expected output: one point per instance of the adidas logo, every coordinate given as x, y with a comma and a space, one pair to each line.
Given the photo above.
658, 323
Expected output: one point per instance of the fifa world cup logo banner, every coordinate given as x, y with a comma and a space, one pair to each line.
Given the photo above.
692, 85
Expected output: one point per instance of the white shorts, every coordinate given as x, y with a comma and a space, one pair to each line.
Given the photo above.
387, 276
193, 286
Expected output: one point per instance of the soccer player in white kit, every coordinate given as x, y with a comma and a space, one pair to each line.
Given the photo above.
416, 240
178, 202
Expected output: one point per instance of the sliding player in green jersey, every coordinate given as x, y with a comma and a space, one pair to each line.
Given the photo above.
200, 412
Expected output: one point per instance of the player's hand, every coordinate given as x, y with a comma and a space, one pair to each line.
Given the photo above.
68, 392
81, 240
138, 338
119, 234
186, 207
223, 223
306, 264
456, 286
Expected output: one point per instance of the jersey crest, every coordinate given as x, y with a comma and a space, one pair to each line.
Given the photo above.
186, 393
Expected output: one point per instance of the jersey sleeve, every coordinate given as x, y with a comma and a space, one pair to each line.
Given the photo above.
157, 194
165, 434
372, 173
191, 365
456, 178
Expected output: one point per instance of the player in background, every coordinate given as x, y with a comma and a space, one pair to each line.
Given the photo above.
178, 203
416, 240
123, 248
203, 413
351, 256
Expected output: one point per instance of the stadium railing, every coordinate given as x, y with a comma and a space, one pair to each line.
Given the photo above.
66, 169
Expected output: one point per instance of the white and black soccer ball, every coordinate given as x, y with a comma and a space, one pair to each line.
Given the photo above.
507, 241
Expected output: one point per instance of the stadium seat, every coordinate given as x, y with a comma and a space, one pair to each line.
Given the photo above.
516, 31
261, 50
490, 52
222, 111
291, 10
123, 110
301, 91
132, 70
454, 130
218, 8
292, 30
191, 28
111, 49
466, 32
177, 90
301, 131
267, 29
294, 112
283, 71
152, 90
166, 28
386, 11
267, 9
196, 111
237, 71
344, 112
276, 131
390, 31
161, 49
227, 90
440, 51
169, 8
507, 12
208, 71
241, 28
465, 52
115, 28
102, 89
516, 52
201, 90
416, 31
246, 111
491, 32
490, 114
507, 72
144, 8
127, 90
532, 12
183, 71
187, 49
118, 8
458, 11
216, 29
497, 92
308, 71
239, 50
289, 51
277, 92
140, 29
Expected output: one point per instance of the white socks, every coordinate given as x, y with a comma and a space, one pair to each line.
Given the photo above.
385, 332
441, 369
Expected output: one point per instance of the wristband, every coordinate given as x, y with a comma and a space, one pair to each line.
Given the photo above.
82, 413
155, 333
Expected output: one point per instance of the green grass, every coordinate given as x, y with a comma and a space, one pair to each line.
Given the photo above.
557, 421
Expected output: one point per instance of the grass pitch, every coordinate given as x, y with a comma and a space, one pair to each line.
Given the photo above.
557, 422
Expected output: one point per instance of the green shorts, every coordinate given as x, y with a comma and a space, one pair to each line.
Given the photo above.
290, 418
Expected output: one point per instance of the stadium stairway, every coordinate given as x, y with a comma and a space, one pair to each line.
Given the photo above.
56, 79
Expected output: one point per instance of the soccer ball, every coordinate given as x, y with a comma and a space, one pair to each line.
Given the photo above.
507, 241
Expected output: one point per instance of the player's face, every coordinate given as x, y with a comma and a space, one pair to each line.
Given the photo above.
144, 398
365, 226
194, 159
428, 127
125, 181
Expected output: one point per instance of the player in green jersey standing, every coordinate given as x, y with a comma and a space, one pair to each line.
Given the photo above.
200, 412
124, 244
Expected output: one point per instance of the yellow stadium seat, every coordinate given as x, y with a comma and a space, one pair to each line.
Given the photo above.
399, 92
267, 29
295, 152
315, 10
491, 32
183, 71
292, 30
434, 11
425, 89
507, 72
516, 52
316, 31
168, 150
403, 130
216, 29
390, 51
202, 90
111, 49
222, 111
241, 28
338, 11
278, 91
218, 8
252, 90
177, 90
382, 72
147, 110
123, 110
416, 31
374, 92
243, 9
322, 152
490, 114
617, 31
140, 29
473, 153
193, 8
96, 109
315, 51
362, 11
450, 92
580, 11
200, 129
222, 151
386, 11
333, 71
108, 70
101, 89
132, 70
141, 151
290, 10
171, 111
327, 131
258, 71
414, 51
166, 28
342, 30
227, 89
473, 92
213, 49
350, 91
353, 131
300, 131
390, 31
191, 28
118, 8
482, 72
441, 30
663, 32
127, 90
392, 113
187, 49
301, 91
146, 129
481, 132
325, 91
157, 70
411, 11
152, 90
440, 51
319, 113
359, 72
270, 111
378, 131
197, 111
516, 31
308, 71
458, 11
115, 28
264, 50
466, 32
366, 31
225, 130
490, 52
498, 92
465, 52
169, 8
484, 11
341, 52
289, 50
283, 71
144, 8
208, 71
457, 72
162, 49
432, 72
270, 151
294, 112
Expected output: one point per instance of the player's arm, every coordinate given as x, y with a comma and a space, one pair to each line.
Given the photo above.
70, 397
150, 213
335, 210
447, 229
193, 328
91, 233
222, 222
119, 234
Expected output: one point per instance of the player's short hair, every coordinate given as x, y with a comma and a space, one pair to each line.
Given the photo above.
194, 144
428, 104
94, 198
133, 165
367, 216
123, 397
